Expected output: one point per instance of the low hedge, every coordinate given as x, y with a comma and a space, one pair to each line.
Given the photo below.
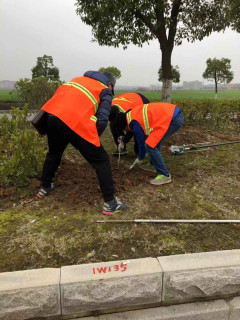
221, 116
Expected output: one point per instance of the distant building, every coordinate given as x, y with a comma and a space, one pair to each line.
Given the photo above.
192, 85
155, 87
233, 86
7, 85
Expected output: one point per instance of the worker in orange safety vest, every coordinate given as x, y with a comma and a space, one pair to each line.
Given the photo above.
78, 113
152, 124
123, 103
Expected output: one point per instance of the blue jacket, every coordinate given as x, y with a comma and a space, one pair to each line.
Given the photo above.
106, 96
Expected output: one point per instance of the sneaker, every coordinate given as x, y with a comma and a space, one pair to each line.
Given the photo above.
45, 191
113, 206
148, 167
161, 179
122, 153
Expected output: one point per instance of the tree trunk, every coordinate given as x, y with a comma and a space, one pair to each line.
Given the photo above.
167, 76
167, 90
216, 90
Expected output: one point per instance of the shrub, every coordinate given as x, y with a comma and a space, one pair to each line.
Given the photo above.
37, 91
222, 116
22, 151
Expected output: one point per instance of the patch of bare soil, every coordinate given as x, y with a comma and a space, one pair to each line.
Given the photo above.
77, 185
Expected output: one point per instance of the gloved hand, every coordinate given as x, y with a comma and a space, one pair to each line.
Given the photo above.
120, 139
137, 162
121, 145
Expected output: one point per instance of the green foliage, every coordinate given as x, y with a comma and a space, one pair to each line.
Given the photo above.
122, 22
37, 91
234, 16
136, 22
221, 116
218, 70
21, 149
45, 68
113, 70
175, 74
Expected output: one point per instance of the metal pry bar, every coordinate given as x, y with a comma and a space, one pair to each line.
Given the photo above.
185, 148
216, 221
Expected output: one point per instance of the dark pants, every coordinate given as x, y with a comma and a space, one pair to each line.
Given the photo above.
116, 133
59, 136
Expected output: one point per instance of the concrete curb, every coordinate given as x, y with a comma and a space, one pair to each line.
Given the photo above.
172, 287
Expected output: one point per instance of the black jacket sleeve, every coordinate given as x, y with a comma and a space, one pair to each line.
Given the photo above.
104, 110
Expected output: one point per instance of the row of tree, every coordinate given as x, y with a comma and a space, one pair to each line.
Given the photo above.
168, 21
45, 78
218, 70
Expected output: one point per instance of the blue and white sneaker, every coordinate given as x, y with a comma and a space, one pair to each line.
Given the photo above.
113, 206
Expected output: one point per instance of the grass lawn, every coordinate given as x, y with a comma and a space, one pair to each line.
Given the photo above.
63, 230
190, 94
5, 96
156, 96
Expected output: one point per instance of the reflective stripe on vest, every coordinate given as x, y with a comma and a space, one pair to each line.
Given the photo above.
121, 98
85, 91
145, 119
129, 117
93, 118
121, 109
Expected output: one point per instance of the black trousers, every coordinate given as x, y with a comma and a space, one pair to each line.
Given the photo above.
59, 136
116, 133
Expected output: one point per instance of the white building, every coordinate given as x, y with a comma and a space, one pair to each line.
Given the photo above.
192, 85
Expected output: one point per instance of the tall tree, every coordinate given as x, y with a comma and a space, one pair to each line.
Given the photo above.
113, 70
234, 16
121, 22
218, 71
175, 74
45, 68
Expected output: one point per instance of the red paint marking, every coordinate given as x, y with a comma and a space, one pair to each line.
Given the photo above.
100, 270
121, 267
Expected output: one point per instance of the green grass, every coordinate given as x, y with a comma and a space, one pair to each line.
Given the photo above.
156, 95
5, 96
190, 94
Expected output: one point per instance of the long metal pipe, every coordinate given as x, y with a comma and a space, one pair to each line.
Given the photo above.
213, 144
169, 221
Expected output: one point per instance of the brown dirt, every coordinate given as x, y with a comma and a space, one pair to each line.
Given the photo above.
77, 185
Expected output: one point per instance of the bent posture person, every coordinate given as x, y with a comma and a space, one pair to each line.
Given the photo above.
152, 124
78, 114
123, 103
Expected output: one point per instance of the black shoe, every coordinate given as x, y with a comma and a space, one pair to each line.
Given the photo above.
45, 191
113, 206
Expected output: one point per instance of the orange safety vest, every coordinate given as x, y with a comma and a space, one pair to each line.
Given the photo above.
76, 104
154, 118
127, 101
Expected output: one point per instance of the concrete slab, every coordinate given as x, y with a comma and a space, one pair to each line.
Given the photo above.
203, 275
115, 284
214, 310
234, 305
28, 294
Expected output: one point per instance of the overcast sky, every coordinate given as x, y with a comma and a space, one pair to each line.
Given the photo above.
32, 28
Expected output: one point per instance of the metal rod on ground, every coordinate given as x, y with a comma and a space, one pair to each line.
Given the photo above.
215, 144
169, 221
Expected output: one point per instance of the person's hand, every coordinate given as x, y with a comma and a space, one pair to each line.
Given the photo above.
121, 144
137, 162
120, 139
